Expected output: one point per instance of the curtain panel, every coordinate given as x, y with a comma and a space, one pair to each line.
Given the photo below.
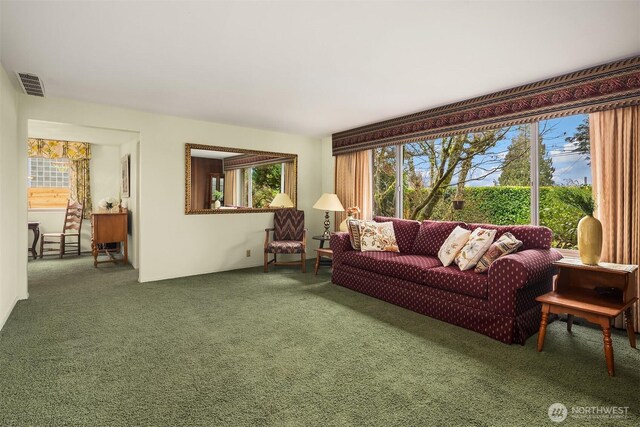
605, 87
615, 168
353, 184
289, 173
230, 184
80, 185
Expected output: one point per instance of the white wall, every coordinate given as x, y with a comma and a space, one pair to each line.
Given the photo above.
12, 229
132, 149
105, 176
172, 244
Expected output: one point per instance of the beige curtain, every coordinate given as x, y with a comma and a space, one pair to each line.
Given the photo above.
353, 183
615, 168
290, 180
230, 184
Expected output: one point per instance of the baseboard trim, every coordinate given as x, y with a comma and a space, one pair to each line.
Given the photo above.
6, 317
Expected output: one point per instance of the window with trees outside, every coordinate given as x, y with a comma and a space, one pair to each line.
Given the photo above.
485, 177
260, 184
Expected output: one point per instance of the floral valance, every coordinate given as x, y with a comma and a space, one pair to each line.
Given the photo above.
604, 87
54, 149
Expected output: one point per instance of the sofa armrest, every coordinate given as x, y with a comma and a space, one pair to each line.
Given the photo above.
340, 243
516, 271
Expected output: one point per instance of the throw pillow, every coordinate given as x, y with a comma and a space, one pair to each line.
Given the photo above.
377, 236
505, 245
353, 227
452, 245
478, 243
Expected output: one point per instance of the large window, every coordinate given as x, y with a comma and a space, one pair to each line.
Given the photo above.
486, 176
48, 182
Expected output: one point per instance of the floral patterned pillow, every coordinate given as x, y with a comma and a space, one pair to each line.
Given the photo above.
478, 243
505, 245
452, 245
377, 236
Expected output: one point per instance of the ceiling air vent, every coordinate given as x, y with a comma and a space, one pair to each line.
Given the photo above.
31, 84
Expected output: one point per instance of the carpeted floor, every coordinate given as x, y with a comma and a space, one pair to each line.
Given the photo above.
93, 347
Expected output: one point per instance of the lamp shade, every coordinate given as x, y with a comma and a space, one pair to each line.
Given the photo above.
281, 201
329, 202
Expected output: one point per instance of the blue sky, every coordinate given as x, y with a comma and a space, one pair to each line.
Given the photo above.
569, 167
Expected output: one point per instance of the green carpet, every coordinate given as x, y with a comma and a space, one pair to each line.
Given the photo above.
93, 347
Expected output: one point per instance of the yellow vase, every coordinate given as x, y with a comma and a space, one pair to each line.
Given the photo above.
590, 240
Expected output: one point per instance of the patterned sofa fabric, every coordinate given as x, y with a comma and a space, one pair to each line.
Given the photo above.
432, 235
405, 230
513, 272
407, 267
460, 282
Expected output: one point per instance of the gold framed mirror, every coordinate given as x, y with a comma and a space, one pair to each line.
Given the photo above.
226, 180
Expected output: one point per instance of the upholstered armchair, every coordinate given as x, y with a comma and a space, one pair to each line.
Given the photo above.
289, 237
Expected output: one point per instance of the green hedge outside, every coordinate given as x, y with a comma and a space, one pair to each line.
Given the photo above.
502, 205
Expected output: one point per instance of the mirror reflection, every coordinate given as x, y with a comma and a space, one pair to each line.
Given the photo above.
227, 180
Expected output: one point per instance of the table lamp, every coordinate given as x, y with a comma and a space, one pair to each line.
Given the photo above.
281, 201
328, 202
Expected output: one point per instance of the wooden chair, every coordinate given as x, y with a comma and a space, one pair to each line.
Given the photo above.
289, 237
71, 231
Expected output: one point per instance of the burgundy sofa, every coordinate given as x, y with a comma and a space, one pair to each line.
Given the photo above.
500, 303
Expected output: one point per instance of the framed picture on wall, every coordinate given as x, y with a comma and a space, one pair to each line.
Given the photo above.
124, 171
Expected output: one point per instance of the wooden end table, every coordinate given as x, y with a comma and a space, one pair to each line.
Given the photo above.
327, 253
597, 293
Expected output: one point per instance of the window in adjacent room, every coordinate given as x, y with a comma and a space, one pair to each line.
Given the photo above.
48, 182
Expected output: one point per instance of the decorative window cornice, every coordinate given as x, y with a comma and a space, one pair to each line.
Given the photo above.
604, 87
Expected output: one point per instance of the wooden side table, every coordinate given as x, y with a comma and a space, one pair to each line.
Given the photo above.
597, 293
35, 227
109, 227
327, 253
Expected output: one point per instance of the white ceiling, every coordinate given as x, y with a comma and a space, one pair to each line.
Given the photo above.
70, 132
311, 68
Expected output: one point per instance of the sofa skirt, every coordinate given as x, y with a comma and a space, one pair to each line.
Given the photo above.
467, 312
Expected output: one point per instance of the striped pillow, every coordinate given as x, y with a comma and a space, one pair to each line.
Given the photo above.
353, 226
505, 245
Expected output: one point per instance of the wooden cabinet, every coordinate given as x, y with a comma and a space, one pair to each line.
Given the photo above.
106, 228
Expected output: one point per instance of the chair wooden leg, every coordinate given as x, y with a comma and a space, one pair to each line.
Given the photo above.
569, 322
630, 332
41, 247
303, 258
317, 265
61, 246
79, 243
266, 262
